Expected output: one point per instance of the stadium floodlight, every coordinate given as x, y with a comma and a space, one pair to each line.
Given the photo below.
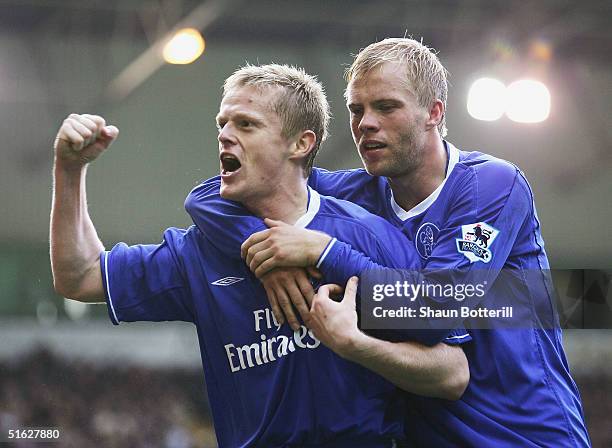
184, 47
528, 101
487, 99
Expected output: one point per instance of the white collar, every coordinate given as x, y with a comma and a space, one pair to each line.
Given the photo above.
453, 158
314, 203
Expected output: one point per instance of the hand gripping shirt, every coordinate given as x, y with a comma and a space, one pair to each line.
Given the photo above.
268, 386
478, 224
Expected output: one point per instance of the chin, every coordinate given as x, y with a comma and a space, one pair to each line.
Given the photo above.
384, 169
226, 192
375, 169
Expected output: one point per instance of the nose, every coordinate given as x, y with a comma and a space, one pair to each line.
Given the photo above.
225, 136
369, 122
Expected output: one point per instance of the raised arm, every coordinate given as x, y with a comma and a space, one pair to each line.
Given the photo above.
75, 246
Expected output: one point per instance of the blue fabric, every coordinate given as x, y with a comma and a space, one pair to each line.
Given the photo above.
521, 392
268, 386
481, 221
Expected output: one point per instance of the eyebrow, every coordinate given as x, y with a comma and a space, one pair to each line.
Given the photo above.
387, 100
240, 116
378, 102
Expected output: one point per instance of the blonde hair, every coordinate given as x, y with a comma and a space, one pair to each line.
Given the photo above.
302, 106
425, 73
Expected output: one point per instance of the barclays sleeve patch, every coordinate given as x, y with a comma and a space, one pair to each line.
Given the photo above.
476, 240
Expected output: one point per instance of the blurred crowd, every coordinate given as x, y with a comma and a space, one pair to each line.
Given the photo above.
136, 407
102, 406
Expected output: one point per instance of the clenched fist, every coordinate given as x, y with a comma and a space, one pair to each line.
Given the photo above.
82, 138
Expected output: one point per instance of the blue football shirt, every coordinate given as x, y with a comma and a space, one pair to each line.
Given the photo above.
481, 220
268, 386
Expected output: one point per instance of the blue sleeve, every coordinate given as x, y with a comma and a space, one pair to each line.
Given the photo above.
490, 208
232, 224
145, 282
341, 184
380, 240
229, 222
355, 185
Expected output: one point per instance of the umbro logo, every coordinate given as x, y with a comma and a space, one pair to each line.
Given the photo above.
226, 281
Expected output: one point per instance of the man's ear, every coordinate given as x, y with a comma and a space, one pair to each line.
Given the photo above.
436, 113
304, 145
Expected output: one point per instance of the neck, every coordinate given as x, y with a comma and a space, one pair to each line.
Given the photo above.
410, 188
287, 202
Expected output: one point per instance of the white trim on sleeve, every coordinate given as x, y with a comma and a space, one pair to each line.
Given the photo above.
325, 252
462, 336
110, 300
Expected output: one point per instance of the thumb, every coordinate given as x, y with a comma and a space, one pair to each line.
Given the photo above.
109, 132
350, 293
274, 223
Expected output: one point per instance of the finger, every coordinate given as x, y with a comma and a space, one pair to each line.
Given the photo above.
255, 249
276, 309
323, 291
323, 296
318, 310
253, 239
266, 267
82, 130
71, 137
335, 293
258, 258
93, 128
314, 272
89, 123
298, 300
335, 289
107, 136
97, 119
110, 132
274, 223
351, 292
330, 289
287, 308
305, 286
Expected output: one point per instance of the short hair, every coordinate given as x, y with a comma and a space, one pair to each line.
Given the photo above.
303, 106
425, 73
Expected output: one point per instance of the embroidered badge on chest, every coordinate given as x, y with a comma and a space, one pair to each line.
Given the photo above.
476, 240
426, 239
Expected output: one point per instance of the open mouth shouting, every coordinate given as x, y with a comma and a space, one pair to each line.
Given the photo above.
229, 164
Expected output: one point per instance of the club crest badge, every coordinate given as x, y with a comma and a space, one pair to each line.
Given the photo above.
426, 239
476, 241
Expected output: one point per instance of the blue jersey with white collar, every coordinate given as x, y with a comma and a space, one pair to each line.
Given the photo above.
480, 220
268, 386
